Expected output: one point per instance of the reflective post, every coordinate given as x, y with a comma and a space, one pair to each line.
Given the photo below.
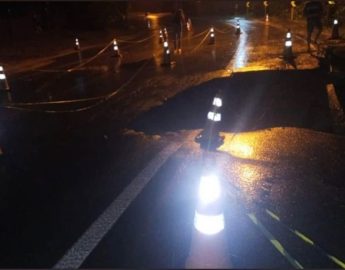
3, 80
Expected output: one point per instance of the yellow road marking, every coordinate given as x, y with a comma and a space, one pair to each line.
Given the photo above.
275, 242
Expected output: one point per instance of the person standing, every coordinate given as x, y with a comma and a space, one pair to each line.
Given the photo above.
313, 11
178, 22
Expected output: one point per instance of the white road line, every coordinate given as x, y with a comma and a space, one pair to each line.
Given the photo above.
81, 249
336, 109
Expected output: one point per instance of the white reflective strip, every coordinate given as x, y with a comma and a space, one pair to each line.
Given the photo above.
217, 102
288, 43
208, 224
216, 117
81, 249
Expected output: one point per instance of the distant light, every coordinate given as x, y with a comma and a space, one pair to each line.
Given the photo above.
216, 117
288, 43
1, 68
331, 2
208, 224
116, 48
212, 34
288, 35
165, 44
335, 22
209, 189
2, 76
115, 43
168, 51
217, 102
212, 29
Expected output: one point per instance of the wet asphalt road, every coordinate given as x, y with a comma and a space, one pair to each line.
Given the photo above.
63, 170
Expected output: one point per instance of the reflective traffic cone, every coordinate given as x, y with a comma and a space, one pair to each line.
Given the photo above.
165, 34
209, 137
161, 38
166, 54
212, 36
238, 29
335, 29
267, 19
77, 45
3, 80
115, 49
288, 54
209, 246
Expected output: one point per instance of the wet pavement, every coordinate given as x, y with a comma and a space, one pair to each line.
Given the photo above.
65, 160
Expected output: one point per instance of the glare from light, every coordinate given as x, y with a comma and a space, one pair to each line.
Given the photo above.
212, 29
209, 189
288, 35
165, 44
216, 117
1, 68
209, 224
168, 51
288, 43
242, 149
217, 102
2, 76
331, 3
76, 42
335, 22
212, 34
115, 43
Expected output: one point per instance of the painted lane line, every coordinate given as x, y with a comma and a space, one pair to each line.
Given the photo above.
306, 239
82, 248
275, 242
277, 245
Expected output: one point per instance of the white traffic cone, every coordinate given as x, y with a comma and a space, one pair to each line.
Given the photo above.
212, 36
116, 52
287, 53
166, 54
238, 28
3, 80
209, 137
77, 45
335, 29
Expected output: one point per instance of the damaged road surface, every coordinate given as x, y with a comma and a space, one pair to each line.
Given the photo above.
100, 168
